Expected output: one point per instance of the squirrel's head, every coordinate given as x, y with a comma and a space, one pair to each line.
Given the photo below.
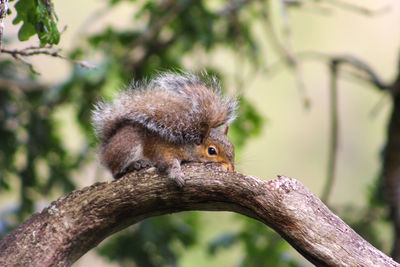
216, 147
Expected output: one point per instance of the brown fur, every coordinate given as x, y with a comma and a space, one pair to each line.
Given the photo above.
171, 120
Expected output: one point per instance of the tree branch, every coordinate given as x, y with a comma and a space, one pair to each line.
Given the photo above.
334, 133
74, 224
359, 9
18, 54
284, 47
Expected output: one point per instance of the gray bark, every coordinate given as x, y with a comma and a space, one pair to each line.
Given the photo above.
76, 223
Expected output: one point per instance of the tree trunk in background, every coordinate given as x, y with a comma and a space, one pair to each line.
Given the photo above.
391, 167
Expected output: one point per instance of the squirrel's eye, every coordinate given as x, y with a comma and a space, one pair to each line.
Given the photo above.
212, 151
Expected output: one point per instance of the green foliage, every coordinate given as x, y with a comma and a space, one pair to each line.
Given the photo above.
248, 123
262, 246
32, 140
168, 33
153, 242
195, 26
375, 194
9, 139
162, 35
38, 17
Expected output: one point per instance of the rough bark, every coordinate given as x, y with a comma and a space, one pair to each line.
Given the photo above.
74, 224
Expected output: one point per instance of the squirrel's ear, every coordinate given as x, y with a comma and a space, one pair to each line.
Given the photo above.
204, 133
226, 129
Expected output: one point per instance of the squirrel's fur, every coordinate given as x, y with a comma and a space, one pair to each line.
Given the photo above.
177, 107
163, 122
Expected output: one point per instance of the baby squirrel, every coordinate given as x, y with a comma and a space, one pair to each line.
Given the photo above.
169, 120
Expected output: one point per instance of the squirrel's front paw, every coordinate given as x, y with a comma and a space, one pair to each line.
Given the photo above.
177, 176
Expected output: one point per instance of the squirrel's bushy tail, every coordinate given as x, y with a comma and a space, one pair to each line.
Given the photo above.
181, 108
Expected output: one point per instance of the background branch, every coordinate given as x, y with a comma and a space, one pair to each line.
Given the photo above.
359, 9
284, 47
390, 173
74, 224
18, 54
361, 72
334, 133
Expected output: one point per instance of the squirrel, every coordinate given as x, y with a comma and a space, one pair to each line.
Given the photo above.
174, 118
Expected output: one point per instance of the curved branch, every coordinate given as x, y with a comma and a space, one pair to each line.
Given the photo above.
74, 224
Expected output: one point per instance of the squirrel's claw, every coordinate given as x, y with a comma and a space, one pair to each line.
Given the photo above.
179, 179
176, 174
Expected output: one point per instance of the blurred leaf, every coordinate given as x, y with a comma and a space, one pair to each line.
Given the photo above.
38, 18
225, 240
162, 36
248, 123
153, 242
262, 246
31, 141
